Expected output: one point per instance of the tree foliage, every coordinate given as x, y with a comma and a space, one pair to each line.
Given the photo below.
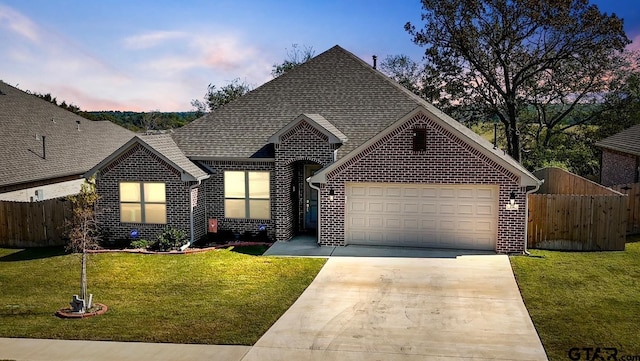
528, 63
84, 233
296, 56
215, 98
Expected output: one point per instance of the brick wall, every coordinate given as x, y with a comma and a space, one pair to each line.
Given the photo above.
447, 160
139, 165
618, 168
301, 145
214, 190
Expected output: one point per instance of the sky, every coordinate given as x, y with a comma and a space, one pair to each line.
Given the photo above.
159, 55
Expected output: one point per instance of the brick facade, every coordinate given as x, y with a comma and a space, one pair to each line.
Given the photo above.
140, 165
303, 144
214, 189
447, 160
618, 168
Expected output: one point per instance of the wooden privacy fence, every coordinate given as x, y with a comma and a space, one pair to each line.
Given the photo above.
633, 219
35, 224
573, 213
577, 222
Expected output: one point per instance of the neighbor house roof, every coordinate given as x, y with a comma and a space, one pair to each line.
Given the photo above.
71, 147
344, 95
163, 146
627, 141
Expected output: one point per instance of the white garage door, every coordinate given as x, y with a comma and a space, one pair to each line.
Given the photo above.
422, 215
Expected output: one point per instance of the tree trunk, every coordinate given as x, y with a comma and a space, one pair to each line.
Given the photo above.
83, 280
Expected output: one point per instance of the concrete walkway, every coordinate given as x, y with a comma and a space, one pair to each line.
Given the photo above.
22, 349
307, 246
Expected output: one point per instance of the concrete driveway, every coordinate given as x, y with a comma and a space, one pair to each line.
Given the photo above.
467, 307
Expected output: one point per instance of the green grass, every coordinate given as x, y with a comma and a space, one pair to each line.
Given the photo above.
589, 299
215, 297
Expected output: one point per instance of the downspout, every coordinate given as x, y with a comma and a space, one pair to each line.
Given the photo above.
319, 203
526, 223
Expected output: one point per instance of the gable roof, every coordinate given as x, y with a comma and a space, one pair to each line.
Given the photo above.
482, 145
163, 146
317, 121
627, 141
347, 92
339, 87
71, 148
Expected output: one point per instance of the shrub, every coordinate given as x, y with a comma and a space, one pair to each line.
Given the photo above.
170, 239
141, 243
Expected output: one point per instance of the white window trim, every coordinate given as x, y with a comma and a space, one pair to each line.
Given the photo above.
247, 200
142, 203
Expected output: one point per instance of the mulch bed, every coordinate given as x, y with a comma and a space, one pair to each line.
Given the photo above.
186, 251
96, 310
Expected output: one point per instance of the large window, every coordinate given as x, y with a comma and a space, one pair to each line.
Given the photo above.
142, 202
246, 195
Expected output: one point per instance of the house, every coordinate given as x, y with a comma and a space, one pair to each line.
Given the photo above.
45, 150
620, 161
332, 148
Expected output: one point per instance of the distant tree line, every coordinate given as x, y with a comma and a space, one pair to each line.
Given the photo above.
135, 121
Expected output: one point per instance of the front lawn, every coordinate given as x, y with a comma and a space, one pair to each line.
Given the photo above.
215, 297
583, 300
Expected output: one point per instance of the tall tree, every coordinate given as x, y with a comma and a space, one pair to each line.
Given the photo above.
215, 98
295, 57
519, 60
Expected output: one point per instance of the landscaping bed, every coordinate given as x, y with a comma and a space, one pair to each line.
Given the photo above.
214, 297
583, 300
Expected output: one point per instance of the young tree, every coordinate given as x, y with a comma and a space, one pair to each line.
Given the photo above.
505, 58
215, 98
295, 57
84, 233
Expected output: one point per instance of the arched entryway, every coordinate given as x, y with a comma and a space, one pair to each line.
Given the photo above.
304, 198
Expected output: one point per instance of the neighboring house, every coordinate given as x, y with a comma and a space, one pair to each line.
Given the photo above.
45, 150
333, 148
620, 161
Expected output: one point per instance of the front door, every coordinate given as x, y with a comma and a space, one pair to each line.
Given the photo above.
310, 198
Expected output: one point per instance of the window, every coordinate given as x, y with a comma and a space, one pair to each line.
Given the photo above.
419, 139
143, 203
246, 195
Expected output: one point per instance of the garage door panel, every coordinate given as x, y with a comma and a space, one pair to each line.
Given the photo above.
429, 215
376, 207
429, 193
485, 209
376, 191
447, 208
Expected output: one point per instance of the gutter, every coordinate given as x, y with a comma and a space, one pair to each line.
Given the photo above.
319, 203
526, 223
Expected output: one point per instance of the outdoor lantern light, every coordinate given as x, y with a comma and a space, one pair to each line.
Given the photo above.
331, 194
512, 206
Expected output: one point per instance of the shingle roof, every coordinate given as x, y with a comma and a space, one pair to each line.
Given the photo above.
164, 144
357, 100
165, 148
25, 118
627, 141
319, 122
347, 92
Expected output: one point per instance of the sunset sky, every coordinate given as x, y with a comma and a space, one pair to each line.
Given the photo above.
159, 55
